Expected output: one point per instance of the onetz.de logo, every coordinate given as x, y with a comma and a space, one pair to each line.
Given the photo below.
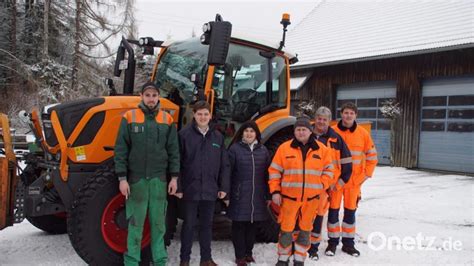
379, 241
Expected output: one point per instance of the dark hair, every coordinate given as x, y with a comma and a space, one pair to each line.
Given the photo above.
349, 105
151, 85
252, 125
303, 121
201, 105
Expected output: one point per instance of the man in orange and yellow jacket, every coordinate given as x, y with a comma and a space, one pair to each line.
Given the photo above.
364, 160
300, 171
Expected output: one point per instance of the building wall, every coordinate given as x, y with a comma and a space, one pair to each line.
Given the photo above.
407, 71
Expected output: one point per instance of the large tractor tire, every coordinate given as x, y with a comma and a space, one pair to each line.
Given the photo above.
97, 225
268, 231
276, 140
53, 224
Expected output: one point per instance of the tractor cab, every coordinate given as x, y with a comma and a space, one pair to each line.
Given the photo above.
247, 86
240, 78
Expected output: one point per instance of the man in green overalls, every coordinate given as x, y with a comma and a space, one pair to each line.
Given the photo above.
146, 150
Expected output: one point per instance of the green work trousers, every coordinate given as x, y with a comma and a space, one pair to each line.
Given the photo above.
146, 195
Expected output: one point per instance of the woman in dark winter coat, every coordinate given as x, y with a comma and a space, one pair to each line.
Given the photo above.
249, 162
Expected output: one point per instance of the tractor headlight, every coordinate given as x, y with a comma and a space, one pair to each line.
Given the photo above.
143, 41
205, 38
206, 27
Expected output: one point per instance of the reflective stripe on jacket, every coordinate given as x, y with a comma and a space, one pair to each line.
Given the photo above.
299, 176
364, 154
341, 157
146, 145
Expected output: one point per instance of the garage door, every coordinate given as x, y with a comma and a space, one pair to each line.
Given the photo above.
447, 125
369, 97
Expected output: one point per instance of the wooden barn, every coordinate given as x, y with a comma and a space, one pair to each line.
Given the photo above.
421, 54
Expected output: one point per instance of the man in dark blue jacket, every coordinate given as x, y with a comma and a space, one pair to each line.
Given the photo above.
342, 161
204, 177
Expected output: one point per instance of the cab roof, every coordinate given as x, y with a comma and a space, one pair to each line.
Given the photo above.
248, 39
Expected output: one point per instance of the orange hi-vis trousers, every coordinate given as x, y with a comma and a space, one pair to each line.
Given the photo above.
292, 211
318, 221
347, 231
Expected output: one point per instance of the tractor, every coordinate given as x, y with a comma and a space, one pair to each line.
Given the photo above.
68, 185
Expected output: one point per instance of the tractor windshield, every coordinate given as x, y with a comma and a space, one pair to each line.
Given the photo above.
248, 84
181, 60
241, 84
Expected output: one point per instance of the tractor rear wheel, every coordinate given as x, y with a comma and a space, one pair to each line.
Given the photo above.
276, 140
97, 225
267, 232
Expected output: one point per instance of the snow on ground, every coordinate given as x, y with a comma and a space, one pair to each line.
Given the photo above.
414, 207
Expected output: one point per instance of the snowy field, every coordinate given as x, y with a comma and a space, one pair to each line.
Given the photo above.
429, 215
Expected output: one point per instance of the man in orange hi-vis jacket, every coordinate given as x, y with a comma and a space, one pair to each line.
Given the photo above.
364, 160
300, 171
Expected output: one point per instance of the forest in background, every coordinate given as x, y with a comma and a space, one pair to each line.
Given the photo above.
55, 51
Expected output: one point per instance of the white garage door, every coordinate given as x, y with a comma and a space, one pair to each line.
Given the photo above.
447, 125
369, 97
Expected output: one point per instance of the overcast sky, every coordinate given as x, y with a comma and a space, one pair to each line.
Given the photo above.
177, 19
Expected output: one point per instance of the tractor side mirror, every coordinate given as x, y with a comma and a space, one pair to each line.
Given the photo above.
217, 36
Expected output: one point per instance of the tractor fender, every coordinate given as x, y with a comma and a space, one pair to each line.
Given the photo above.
276, 126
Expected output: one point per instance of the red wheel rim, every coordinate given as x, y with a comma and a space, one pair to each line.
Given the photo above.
114, 236
62, 215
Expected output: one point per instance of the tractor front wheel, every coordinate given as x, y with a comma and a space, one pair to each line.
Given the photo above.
97, 225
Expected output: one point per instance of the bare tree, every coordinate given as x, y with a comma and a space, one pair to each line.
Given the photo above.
77, 43
54, 51
47, 4
8, 18
92, 31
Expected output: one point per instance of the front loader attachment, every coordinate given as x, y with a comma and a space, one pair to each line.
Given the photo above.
8, 176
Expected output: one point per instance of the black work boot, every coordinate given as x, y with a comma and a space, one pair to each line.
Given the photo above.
351, 250
313, 252
331, 250
282, 263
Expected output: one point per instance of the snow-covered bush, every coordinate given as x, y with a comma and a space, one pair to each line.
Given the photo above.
306, 108
390, 109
